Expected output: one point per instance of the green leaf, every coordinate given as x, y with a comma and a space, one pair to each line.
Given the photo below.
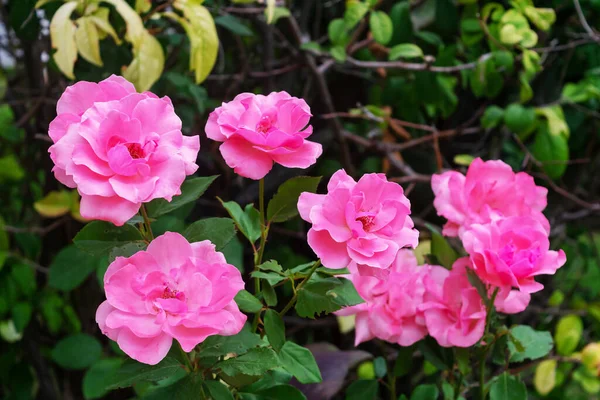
300, 362
519, 119
337, 32
568, 334
247, 220
380, 366
54, 204
543, 18
271, 277
99, 237
492, 116
62, 36
425, 392
147, 64
544, 379
183, 389
404, 361
536, 344
551, 150
271, 265
218, 391
247, 302
10, 169
21, 315
362, 390
403, 26
463, 159
278, 392
126, 250
255, 362
233, 24
405, 50
339, 53
441, 249
88, 41
191, 190
269, 294
24, 276
217, 346
345, 294
219, 231
381, 27
314, 298
100, 18
77, 351
275, 329
135, 25
98, 376
132, 372
507, 387
355, 12
276, 14
70, 268
284, 204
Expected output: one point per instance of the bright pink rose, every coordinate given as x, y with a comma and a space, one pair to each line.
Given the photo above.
491, 190
510, 253
365, 222
390, 311
119, 148
173, 290
453, 310
258, 131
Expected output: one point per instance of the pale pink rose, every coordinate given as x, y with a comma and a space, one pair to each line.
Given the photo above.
258, 131
453, 310
119, 148
365, 223
390, 311
511, 252
173, 290
489, 191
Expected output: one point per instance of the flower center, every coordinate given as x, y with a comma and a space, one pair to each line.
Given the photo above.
169, 293
135, 150
510, 254
367, 221
264, 124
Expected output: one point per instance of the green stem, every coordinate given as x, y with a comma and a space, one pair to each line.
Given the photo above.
392, 383
147, 222
488, 320
258, 255
289, 305
186, 358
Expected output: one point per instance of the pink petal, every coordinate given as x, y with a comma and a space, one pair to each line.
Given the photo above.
157, 115
246, 161
332, 254
170, 250
112, 209
306, 202
145, 350
303, 157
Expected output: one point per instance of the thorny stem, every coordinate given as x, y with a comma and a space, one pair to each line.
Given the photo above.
488, 320
292, 301
147, 222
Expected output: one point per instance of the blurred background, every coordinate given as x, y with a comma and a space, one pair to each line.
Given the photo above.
407, 88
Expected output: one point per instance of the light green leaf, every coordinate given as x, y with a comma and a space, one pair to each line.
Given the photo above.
88, 41
270, 11
543, 18
381, 27
405, 50
99, 237
191, 190
100, 19
54, 204
544, 379
62, 36
148, 63
339, 53
10, 169
508, 387
219, 231
255, 362
355, 12
556, 120
551, 150
520, 120
77, 351
337, 32
300, 362
276, 14
568, 334
143, 6
135, 26
284, 204
535, 344
463, 159
492, 116
247, 220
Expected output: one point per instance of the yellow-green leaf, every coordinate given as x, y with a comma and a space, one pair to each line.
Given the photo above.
545, 377
135, 26
556, 120
87, 40
62, 35
100, 19
42, 3
143, 6
75, 205
54, 204
147, 65
270, 11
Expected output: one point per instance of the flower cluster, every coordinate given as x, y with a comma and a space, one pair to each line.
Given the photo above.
498, 216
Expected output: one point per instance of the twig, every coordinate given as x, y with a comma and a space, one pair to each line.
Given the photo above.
584, 22
39, 230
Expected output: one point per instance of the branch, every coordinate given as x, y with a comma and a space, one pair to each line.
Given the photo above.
584, 22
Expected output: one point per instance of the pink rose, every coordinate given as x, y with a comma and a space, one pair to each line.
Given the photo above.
173, 290
491, 190
364, 223
510, 253
390, 311
258, 131
453, 310
119, 148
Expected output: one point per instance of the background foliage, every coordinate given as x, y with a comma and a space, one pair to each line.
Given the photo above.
405, 88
